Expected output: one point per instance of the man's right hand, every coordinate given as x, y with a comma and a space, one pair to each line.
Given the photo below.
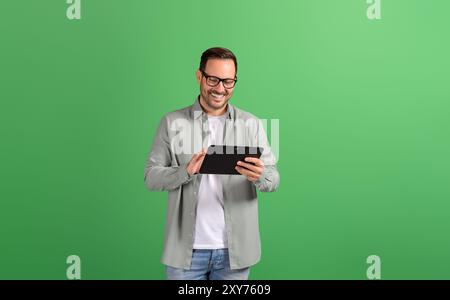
195, 163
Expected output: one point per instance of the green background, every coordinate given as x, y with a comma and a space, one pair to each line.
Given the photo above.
364, 131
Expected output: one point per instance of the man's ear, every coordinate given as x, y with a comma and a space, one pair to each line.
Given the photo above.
199, 76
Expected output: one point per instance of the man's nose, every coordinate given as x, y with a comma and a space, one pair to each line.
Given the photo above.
220, 87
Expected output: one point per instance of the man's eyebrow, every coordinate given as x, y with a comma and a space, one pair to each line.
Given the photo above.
219, 77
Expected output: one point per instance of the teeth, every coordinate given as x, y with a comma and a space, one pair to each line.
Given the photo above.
218, 96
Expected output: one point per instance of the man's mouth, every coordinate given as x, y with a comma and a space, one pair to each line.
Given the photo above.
217, 96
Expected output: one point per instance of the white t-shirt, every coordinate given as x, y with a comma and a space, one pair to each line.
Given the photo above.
210, 231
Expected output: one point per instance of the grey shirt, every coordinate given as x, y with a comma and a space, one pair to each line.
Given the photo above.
178, 137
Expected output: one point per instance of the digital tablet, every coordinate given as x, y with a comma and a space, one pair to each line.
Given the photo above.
221, 159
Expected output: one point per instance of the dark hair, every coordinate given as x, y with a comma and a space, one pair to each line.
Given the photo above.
219, 53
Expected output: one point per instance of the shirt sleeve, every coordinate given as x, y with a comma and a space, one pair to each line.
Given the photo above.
270, 178
160, 174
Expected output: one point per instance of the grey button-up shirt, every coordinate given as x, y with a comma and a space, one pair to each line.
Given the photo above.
178, 137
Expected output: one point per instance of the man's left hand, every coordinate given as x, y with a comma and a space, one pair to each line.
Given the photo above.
252, 168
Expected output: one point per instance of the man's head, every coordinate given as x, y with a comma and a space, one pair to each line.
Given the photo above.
216, 76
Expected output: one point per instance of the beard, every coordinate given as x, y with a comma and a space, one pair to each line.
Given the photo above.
214, 99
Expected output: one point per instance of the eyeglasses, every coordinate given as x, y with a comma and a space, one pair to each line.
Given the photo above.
213, 81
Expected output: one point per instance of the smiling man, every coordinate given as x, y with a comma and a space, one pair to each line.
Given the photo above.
212, 229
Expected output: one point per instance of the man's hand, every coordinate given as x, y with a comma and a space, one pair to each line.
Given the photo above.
252, 170
195, 163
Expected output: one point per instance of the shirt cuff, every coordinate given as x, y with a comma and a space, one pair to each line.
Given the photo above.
183, 174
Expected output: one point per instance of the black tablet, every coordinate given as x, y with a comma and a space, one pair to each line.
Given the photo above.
221, 159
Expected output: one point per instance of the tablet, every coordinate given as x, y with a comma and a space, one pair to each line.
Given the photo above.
221, 159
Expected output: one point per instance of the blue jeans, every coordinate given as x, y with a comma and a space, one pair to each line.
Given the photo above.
208, 264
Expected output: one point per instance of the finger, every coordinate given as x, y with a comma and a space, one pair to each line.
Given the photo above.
252, 179
250, 167
198, 156
246, 172
201, 156
255, 160
239, 170
200, 161
204, 151
194, 157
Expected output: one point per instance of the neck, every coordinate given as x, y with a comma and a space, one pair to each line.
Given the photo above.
210, 110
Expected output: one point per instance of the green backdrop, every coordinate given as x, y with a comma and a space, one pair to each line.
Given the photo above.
364, 131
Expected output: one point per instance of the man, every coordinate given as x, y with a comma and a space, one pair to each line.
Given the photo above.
212, 229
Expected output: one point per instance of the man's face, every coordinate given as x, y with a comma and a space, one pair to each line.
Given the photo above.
216, 98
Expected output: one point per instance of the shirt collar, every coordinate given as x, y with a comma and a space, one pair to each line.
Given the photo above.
197, 111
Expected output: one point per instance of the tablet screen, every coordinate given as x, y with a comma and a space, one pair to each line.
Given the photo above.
221, 159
